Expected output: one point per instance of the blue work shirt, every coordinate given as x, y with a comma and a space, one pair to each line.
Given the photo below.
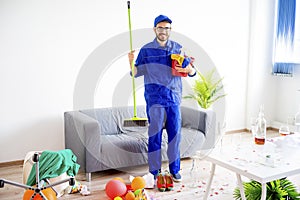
155, 64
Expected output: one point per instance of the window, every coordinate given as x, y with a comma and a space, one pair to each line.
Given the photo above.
286, 52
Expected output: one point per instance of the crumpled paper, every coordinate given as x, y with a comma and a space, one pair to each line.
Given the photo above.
149, 179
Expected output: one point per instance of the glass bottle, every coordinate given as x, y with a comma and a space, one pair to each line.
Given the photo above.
261, 128
195, 172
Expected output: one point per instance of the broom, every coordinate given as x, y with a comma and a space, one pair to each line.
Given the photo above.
134, 121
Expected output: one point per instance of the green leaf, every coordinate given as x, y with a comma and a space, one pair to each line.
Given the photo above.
276, 190
206, 89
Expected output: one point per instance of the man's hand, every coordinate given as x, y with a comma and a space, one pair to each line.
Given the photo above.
131, 60
131, 57
188, 69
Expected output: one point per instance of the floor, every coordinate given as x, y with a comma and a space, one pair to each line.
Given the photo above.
192, 186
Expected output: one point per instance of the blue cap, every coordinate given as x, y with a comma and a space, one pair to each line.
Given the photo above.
161, 18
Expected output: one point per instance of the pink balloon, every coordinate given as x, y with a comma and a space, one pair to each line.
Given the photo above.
115, 188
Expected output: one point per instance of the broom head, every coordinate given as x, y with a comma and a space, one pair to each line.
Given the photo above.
135, 121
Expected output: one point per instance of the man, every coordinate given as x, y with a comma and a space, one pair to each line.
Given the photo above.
163, 92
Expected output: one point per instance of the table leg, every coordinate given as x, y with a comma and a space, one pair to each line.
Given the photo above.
212, 173
240, 183
263, 191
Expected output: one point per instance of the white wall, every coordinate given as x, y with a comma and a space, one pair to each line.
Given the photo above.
261, 83
44, 44
287, 99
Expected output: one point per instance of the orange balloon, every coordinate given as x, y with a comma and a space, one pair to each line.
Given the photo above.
48, 193
129, 196
138, 183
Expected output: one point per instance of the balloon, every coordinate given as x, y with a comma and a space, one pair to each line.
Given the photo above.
115, 188
138, 183
129, 196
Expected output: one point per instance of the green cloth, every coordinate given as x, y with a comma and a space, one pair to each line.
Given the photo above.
53, 164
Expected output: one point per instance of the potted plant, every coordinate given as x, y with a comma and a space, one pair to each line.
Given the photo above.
276, 190
206, 89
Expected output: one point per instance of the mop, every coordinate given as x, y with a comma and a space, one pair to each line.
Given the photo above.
134, 121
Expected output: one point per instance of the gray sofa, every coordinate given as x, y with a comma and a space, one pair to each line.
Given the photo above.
100, 141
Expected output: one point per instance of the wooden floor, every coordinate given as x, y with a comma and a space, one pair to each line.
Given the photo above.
222, 186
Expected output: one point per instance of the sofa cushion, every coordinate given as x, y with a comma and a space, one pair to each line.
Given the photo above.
104, 116
111, 119
123, 150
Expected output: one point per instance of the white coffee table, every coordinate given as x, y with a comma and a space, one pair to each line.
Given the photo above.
278, 158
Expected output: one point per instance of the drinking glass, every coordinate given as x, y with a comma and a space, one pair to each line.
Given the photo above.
284, 130
253, 126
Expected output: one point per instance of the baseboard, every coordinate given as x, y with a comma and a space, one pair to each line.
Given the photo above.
272, 129
237, 131
249, 131
12, 163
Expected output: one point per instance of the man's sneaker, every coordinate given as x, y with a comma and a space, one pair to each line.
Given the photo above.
176, 177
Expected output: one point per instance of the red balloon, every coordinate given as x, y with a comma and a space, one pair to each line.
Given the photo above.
115, 188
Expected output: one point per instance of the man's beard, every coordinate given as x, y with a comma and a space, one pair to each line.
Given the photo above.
162, 37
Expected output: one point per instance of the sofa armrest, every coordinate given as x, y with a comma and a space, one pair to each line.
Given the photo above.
80, 130
202, 120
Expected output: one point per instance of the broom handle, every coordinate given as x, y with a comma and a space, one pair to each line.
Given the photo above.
132, 63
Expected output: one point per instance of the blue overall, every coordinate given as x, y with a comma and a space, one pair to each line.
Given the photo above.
163, 93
